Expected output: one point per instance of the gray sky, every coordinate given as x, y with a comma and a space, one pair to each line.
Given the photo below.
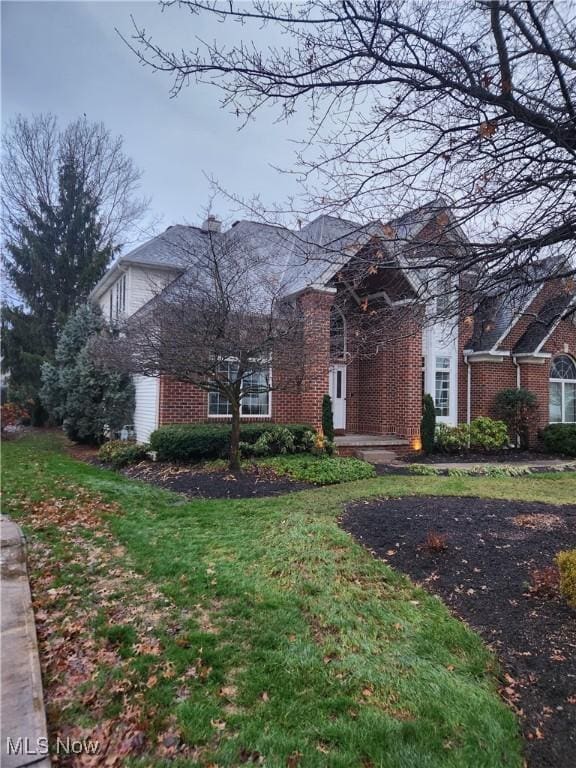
66, 58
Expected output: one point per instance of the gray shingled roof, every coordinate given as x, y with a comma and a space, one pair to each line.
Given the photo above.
169, 248
548, 316
300, 258
496, 313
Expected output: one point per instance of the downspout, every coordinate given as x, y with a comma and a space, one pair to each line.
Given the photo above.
468, 393
468, 389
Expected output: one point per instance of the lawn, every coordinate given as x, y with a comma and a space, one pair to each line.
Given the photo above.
230, 632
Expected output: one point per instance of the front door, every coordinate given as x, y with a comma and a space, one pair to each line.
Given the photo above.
337, 391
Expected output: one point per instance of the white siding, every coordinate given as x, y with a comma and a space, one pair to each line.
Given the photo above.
146, 411
142, 283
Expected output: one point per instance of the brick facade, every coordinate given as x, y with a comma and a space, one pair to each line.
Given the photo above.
383, 389
488, 377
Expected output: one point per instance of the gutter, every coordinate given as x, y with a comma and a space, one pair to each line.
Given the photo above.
517, 365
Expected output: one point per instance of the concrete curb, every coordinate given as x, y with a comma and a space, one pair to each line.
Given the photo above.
23, 719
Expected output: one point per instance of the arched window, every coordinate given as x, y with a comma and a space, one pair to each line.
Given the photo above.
562, 402
337, 333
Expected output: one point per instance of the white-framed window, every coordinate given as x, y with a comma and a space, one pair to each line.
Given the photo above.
443, 294
442, 386
562, 391
118, 299
255, 402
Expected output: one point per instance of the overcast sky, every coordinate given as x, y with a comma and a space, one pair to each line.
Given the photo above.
66, 58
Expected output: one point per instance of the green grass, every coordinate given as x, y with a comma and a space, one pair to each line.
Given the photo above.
306, 650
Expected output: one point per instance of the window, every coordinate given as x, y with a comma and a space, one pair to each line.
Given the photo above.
118, 299
423, 375
442, 386
444, 297
256, 400
337, 334
562, 399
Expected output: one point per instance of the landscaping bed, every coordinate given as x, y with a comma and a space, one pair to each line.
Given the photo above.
482, 457
480, 557
204, 482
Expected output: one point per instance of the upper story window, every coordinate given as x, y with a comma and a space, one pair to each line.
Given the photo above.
562, 392
443, 294
117, 301
337, 333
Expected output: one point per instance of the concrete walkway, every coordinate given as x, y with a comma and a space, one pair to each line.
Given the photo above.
23, 720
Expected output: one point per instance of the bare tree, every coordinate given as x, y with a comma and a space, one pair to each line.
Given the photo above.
33, 153
222, 326
473, 101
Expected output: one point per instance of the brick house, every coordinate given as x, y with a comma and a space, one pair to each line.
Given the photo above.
526, 337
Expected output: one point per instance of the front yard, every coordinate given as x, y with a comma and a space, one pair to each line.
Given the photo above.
226, 632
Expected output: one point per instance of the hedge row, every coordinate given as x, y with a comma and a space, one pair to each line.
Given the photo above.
196, 442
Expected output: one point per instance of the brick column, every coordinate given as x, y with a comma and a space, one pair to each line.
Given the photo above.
316, 353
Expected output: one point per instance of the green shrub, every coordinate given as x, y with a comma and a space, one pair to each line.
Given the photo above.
322, 470
452, 439
560, 438
566, 562
196, 442
428, 423
274, 441
488, 434
327, 418
119, 453
515, 407
423, 469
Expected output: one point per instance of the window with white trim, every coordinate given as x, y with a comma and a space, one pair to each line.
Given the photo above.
562, 392
442, 386
444, 294
255, 401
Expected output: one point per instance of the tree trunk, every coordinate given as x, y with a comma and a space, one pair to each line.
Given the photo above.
234, 450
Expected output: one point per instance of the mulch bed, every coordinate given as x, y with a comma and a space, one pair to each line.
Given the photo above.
479, 457
492, 549
196, 482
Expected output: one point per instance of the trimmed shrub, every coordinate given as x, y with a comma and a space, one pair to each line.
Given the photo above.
327, 418
452, 439
119, 453
515, 406
428, 424
488, 434
322, 470
196, 442
560, 438
566, 562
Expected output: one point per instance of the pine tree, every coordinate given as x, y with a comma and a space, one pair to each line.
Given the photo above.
53, 265
86, 399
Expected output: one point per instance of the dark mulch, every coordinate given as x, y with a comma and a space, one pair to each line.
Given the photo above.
196, 482
479, 457
483, 575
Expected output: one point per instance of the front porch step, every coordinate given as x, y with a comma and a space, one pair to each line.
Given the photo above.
373, 456
376, 449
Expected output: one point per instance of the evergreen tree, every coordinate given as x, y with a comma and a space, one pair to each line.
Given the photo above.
53, 264
86, 399
428, 424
